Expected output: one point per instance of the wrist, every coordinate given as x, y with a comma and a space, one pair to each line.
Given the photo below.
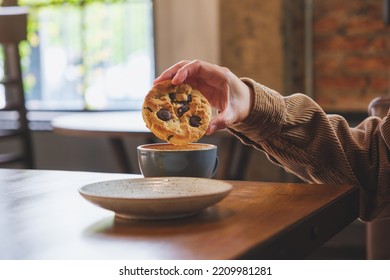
248, 101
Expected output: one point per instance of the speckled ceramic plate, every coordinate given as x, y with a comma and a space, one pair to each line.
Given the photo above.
156, 198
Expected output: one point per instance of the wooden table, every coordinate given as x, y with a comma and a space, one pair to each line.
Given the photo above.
95, 124
42, 216
115, 126
111, 125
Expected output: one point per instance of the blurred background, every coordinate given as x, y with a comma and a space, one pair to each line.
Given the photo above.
93, 55
103, 55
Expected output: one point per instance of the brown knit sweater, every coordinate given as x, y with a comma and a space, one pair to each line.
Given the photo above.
296, 133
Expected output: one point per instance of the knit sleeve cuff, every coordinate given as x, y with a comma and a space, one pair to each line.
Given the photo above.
267, 114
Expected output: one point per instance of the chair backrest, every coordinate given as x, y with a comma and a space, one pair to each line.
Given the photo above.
13, 29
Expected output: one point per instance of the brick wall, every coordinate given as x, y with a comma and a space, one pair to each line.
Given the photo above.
351, 54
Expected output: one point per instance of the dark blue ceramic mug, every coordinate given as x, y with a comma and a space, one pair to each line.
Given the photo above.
167, 160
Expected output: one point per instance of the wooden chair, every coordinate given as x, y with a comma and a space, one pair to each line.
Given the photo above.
378, 231
13, 21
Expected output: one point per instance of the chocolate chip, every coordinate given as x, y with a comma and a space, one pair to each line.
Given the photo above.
189, 98
164, 115
182, 110
149, 109
172, 96
169, 137
195, 121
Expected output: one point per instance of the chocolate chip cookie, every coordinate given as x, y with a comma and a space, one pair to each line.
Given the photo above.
176, 114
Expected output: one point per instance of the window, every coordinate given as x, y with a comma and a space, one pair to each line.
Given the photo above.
88, 54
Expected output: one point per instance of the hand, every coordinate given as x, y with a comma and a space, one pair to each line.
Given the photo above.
225, 91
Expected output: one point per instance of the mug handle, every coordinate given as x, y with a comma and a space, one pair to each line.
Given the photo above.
215, 167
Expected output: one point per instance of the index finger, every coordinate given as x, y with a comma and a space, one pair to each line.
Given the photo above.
170, 73
207, 73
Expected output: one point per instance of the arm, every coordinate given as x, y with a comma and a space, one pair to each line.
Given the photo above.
295, 133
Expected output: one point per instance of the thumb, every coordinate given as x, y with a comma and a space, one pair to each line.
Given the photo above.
219, 122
